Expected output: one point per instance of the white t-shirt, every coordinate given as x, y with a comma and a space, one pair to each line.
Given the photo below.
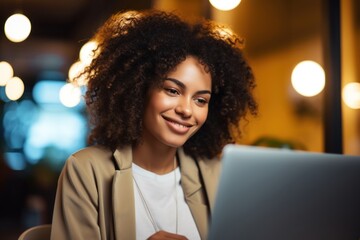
159, 194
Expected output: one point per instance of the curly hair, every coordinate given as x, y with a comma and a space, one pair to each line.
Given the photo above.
137, 50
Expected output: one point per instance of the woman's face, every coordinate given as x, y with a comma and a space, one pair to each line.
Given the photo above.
178, 109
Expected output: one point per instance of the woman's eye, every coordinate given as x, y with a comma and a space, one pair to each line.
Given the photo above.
201, 101
172, 91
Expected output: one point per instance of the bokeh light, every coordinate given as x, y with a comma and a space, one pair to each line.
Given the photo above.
6, 72
70, 95
15, 160
74, 73
14, 88
55, 133
17, 27
87, 52
351, 95
47, 92
308, 78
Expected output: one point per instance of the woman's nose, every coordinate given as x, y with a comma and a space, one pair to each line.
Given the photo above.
184, 108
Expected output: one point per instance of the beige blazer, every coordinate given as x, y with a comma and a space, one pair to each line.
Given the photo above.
95, 198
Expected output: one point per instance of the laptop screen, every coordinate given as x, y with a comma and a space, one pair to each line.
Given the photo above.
267, 193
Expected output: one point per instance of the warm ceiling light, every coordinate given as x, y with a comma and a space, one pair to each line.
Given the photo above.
6, 72
225, 5
14, 88
351, 95
17, 27
308, 78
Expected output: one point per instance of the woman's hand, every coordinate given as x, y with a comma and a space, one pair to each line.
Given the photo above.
162, 235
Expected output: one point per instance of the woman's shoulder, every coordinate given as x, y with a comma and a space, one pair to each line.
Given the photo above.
92, 152
92, 156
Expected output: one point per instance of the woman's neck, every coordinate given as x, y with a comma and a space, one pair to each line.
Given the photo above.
160, 160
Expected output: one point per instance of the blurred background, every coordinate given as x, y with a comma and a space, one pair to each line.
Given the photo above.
43, 117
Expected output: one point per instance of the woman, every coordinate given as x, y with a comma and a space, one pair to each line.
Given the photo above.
162, 96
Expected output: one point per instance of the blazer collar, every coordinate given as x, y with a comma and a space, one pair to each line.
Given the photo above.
123, 158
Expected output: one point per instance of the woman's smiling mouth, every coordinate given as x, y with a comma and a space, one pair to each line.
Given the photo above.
178, 126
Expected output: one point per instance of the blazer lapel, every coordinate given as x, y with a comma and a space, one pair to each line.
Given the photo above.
190, 181
210, 175
123, 196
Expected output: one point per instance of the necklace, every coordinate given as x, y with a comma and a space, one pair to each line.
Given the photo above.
147, 209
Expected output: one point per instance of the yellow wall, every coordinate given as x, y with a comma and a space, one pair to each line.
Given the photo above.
278, 101
350, 73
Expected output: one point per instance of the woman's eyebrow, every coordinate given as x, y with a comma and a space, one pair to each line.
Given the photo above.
204, 92
177, 82
182, 85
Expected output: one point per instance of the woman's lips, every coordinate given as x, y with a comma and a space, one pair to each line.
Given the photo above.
178, 127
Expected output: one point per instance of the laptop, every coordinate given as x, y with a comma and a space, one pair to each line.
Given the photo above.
277, 194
